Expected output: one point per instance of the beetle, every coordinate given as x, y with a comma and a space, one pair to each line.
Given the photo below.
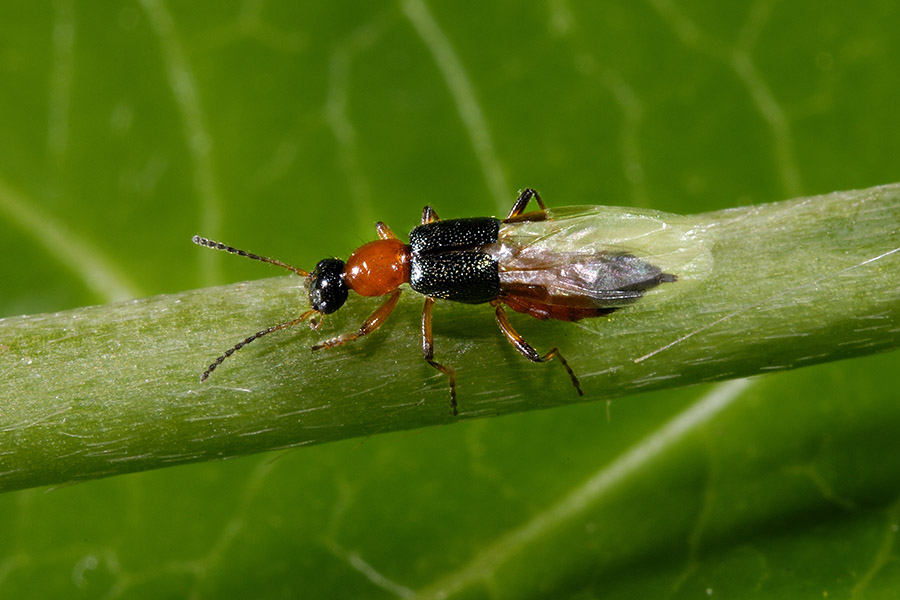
501, 262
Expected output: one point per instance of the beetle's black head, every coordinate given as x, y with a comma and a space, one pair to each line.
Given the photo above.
327, 288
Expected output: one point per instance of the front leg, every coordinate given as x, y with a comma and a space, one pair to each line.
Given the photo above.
384, 232
375, 320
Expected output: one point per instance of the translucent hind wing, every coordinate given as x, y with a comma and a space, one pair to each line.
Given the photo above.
601, 256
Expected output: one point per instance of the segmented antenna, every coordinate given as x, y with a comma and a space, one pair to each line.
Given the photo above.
255, 336
202, 241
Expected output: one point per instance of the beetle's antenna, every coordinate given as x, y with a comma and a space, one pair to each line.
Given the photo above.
202, 241
255, 336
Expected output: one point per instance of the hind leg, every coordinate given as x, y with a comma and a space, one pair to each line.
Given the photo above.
527, 350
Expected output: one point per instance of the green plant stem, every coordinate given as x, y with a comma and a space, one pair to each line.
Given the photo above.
112, 389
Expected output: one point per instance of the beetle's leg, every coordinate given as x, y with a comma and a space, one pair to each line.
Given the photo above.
429, 216
428, 351
255, 336
522, 201
526, 350
517, 212
375, 320
384, 232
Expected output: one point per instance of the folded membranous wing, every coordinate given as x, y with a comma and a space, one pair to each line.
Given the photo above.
593, 260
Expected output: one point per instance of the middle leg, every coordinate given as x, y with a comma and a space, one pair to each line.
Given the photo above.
428, 352
429, 216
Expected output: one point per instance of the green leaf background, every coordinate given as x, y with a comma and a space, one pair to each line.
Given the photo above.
288, 128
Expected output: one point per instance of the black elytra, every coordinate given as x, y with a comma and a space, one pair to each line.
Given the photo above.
446, 262
446, 236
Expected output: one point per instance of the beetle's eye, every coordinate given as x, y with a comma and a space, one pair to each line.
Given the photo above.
327, 289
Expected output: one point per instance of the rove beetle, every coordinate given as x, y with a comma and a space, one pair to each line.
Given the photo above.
548, 272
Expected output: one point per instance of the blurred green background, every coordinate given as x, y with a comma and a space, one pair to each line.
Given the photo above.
288, 128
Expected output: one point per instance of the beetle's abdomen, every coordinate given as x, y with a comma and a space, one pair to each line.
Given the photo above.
455, 234
471, 277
